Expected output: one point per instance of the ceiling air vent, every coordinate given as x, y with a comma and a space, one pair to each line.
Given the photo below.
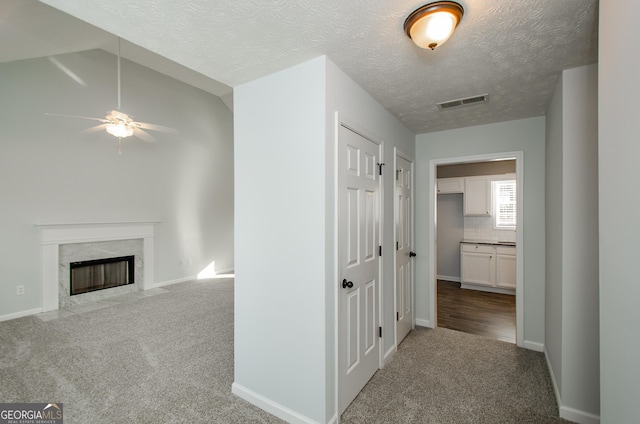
467, 101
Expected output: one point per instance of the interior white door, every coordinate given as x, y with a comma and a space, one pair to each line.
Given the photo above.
359, 239
404, 246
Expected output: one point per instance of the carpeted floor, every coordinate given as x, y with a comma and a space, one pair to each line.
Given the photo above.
168, 358
446, 376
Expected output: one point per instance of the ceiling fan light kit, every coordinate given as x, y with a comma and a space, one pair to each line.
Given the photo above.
433, 24
120, 125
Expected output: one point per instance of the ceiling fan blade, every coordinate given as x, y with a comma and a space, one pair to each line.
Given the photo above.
75, 116
143, 135
95, 129
154, 127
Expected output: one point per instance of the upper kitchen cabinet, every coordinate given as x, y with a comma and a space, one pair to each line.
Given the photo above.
477, 196
450, 185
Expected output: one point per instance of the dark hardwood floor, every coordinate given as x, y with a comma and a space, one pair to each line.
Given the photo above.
476, 312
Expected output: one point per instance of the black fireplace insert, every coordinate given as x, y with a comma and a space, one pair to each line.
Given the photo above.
99, 274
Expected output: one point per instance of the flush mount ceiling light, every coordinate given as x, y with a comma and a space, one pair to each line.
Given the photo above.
431, 25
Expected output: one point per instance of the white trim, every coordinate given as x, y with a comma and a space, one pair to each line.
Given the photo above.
478, 287
270, 406
448, 278
388, 355
225, 271
336, 267
577, 416
20, 314
571, 414
535, 346
432, 193
424, 323
554, 383
170, 282
53, 235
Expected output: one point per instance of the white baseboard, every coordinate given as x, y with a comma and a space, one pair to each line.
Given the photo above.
571, 414
538, 347
553, 378
168, 283
448, 278
270, 406
488, 289
225, 271
577, 416
20, 314
424, 323
388, 355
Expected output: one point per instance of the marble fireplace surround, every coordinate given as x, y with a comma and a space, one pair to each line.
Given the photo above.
55, 235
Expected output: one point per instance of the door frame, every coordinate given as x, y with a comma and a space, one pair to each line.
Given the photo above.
396, 153
341, 121
431, 236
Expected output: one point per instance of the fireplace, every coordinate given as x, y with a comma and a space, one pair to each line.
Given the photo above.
63, 244
100, 274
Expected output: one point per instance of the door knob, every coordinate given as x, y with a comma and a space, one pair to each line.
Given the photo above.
346, 284
412, 254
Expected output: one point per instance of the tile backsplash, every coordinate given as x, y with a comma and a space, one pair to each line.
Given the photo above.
481, 228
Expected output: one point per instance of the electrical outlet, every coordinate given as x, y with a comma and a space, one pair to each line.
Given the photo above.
20, 290
189, 262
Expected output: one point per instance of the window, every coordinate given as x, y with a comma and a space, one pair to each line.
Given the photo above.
504, 195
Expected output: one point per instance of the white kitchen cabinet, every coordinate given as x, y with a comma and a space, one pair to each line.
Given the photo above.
488, 267
450, 185
478, 264
477, 196
506, 267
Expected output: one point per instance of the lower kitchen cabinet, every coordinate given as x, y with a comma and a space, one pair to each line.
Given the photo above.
506, 267
488, 267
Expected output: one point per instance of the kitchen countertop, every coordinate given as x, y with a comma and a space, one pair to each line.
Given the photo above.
489, 242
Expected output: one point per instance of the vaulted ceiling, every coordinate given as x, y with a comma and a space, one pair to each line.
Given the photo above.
513, 50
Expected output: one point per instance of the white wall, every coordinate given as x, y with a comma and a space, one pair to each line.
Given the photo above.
285, 229
619, 203
572, 244
280, 183
450, 234
50, 173
581, 373
553, 231
362, 110
525, 135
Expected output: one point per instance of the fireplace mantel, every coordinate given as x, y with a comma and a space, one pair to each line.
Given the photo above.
54, 235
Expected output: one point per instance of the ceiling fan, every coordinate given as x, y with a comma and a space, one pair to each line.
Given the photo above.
119, 124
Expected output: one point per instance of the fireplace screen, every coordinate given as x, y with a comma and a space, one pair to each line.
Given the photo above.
87, 276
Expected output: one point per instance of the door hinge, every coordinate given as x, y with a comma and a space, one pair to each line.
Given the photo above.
379, 250
397, 316
380, 165
380, 332
397, 245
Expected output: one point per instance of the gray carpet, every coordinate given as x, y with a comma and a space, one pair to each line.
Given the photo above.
168, 358
161, 359
445, 376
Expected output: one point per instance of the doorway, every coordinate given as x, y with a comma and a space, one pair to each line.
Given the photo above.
517, 291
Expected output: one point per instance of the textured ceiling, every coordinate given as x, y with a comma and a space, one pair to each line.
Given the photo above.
512, 50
